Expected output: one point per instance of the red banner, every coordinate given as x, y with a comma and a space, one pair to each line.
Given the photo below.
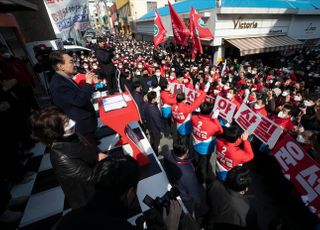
301, 170
202, 28
194, 32
159, 31
180, 31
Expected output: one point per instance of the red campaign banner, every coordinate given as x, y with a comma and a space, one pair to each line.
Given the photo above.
301, 170
159, 31
247, 119
226, 107
181, 33
196, 43
268, 132
202, 28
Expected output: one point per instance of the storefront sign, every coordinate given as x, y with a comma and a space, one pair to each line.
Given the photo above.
240, 24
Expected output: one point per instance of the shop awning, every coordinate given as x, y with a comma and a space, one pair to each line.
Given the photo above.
266, 44
16, 5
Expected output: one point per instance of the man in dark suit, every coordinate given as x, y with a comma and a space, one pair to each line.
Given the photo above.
153, 120
70, 98
104, 56
161, 80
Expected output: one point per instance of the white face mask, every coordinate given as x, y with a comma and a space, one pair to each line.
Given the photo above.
307, 103
296, 98
281, 115
212, 72
226, 87
158, 74
285, 93
216, 91
140, 66
138, 73
86, 67
229, 95
185, 80
171, 77
301, 139
70, 128
256, 106
95, 67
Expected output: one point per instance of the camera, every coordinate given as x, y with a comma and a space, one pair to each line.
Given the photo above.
153, 217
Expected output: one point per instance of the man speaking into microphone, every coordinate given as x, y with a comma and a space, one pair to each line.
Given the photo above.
74, 101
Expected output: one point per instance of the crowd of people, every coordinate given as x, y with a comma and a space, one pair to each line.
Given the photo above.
211, 160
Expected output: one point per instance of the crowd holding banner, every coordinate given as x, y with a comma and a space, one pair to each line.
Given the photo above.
305, 170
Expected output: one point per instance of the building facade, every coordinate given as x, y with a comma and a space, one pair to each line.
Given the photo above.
248, 27
130, 10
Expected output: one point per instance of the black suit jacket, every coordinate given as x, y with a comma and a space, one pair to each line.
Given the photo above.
153, 118
74, 102
161, 80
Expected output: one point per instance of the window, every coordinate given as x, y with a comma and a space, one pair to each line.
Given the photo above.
151, 6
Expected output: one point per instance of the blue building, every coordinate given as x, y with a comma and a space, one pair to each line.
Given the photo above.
249, 26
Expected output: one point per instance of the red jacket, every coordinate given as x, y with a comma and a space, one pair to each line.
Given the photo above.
237, 103
261, 111
204, 127
230, 155
168, 98
181, 111
284, 123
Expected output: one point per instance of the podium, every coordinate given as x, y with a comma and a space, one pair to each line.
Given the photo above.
119, 121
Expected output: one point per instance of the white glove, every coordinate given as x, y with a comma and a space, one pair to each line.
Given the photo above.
215, 114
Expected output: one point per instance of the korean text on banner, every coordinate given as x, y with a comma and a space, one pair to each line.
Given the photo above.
174, 87
301, 170
65, 13
226, 107
191, 95
268, 132
247, 119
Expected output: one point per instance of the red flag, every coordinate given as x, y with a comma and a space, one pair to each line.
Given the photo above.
196, 45
159, 31
180, 31
203, 29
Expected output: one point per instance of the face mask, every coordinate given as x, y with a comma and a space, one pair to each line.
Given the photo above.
301, 139
226, 87
185, 80
95, 67
70, 128
285, 93
216, 91
281, 115
297, 98
229, 95
256, 106
120, 66
140, 66
171, 77
211, 72
86, 67
158, 74
307, 103
6, 55
167, 75
163, 62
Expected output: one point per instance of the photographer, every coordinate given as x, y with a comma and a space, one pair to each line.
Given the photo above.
116, 185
